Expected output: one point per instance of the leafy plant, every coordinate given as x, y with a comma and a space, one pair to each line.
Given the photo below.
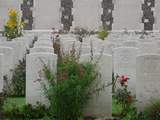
152, 112
2, 99
132, 115
18, 79
102, 34
26, 112
72, 90
123, 96
14, 26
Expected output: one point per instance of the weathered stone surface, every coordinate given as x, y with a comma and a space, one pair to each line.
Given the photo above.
43, 43
8, 55
42, 49
101, 105
87, 14
108, 47
127, 15
157, 15
18, 49
47, 14
132, 43
26, 41
147, 47
35, 78
147, 73
125, 64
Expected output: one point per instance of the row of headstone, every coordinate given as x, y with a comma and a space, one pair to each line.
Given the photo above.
11, 53
42, 54
143, 71
134, 57
100, 106
137, 58
89, 14
127, 14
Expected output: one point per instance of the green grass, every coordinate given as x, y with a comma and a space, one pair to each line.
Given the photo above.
11, 103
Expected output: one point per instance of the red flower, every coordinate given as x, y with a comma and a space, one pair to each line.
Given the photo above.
123, 80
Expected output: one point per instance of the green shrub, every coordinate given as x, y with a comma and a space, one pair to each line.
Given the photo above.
27, 112
69, 95
2, 99
152, 112
102, 34
122, 96
19, 79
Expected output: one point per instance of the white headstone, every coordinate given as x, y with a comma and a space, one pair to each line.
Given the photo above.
87, 14
47, 14
43, 43
147, 47
27, 41
34, 76
18, 49
108, 47
42, 49
158, 51
101, 105
130, 43
157, 15
127, 14
148, 80
66, 46
87, 50
8, 55
125, 64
